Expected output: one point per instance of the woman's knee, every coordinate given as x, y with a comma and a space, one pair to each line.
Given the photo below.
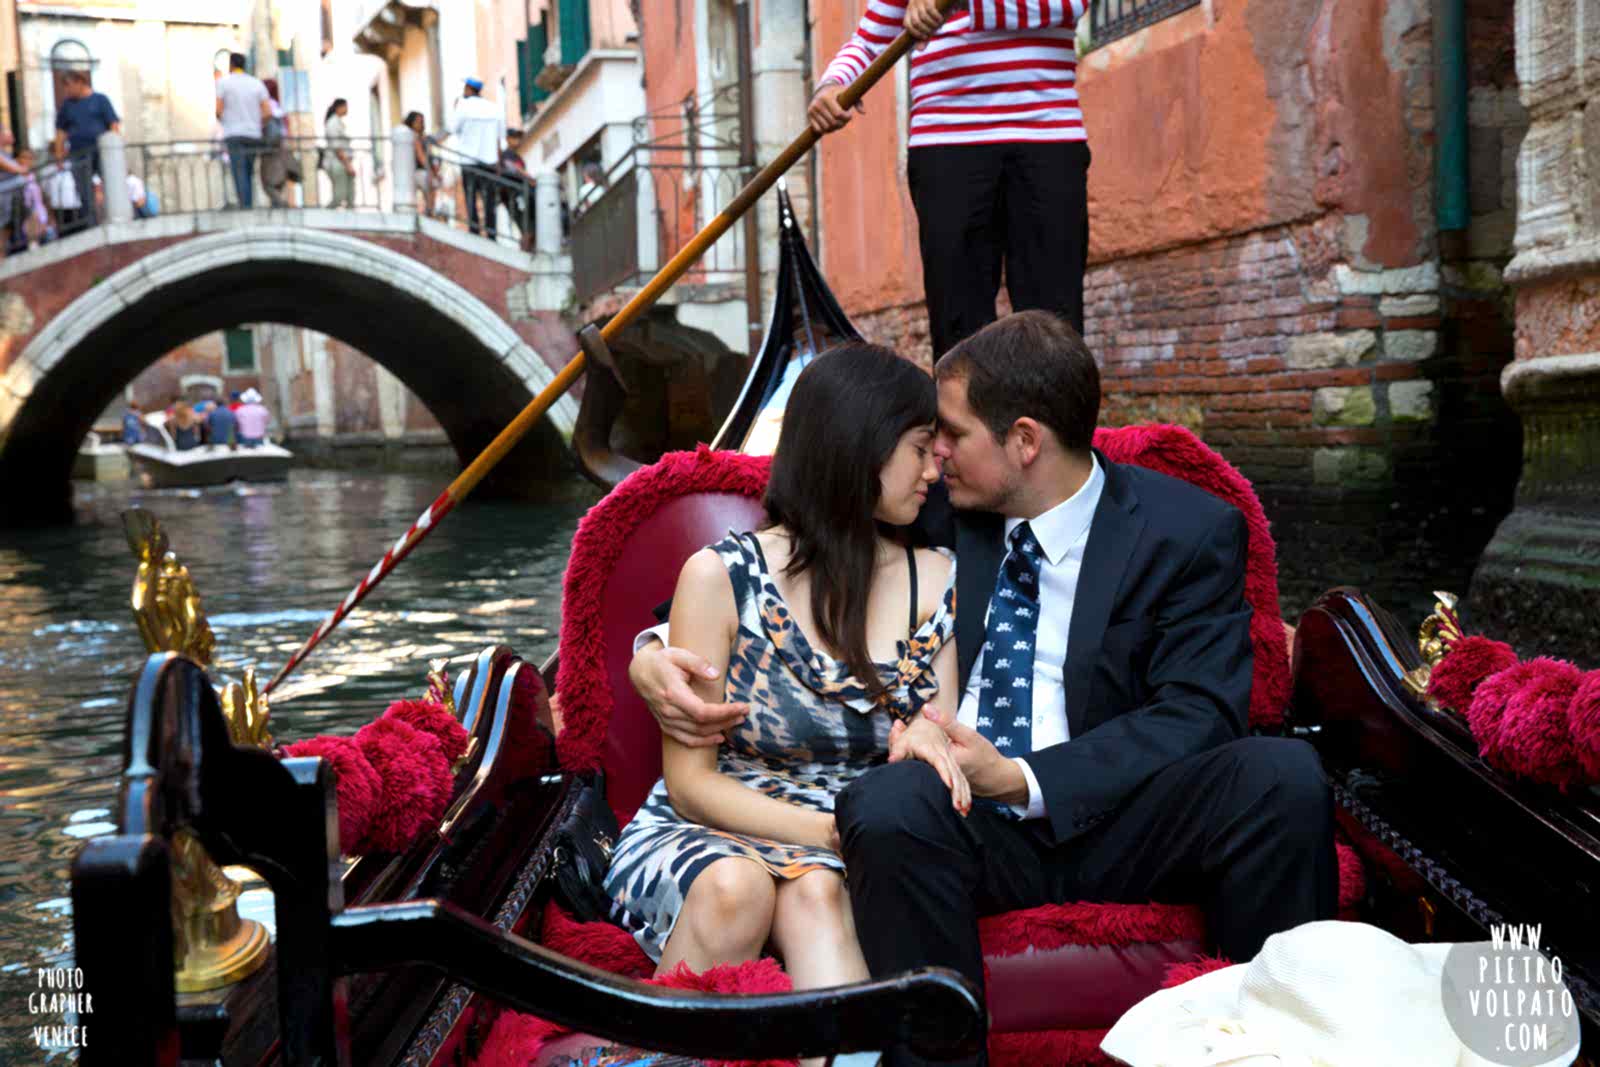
813, 895
732, 895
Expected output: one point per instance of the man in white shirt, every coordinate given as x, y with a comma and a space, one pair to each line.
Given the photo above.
242, 105
1104, 652
479, 129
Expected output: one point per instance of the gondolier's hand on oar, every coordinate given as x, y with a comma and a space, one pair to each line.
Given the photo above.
825, 113
661, 675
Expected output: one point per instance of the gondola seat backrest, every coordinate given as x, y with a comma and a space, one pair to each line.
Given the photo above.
624, 563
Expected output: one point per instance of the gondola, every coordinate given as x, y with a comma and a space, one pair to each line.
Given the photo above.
805, 318
457, 947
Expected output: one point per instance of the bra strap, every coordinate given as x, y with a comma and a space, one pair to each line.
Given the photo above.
911, 560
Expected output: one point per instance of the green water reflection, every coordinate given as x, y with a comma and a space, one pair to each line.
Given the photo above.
270, 561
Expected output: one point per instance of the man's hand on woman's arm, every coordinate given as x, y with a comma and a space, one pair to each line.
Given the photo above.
662, 677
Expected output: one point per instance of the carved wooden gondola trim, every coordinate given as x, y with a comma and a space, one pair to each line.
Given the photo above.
1448, 885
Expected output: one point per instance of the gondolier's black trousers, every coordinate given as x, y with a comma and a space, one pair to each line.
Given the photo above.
1244, 829
1020, 206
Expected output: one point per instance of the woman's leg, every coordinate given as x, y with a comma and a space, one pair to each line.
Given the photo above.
815, 933
725, 918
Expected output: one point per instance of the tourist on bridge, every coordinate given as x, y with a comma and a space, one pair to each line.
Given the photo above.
997, 163
13, 176
252, 418
31, 211
80, 120
278, 164
479, 127
336, 158
242, 106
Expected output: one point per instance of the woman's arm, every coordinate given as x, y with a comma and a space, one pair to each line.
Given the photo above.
704, 620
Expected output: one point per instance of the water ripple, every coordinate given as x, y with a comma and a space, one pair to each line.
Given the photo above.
270, 563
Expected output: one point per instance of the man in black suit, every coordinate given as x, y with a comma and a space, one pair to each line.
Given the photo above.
1105, 665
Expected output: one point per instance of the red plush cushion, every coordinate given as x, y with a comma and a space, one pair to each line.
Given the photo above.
1175, 451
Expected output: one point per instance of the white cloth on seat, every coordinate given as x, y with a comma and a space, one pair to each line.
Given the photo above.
1325, 994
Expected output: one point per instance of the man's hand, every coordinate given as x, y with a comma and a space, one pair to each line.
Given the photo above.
825, 115
925, 741
988, 772
923, 18
661, 676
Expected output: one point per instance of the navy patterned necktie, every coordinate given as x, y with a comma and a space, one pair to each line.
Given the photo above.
1005, 697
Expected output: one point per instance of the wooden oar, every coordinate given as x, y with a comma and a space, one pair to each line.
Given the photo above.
529, 417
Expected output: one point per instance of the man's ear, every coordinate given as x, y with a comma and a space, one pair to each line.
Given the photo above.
1026, 439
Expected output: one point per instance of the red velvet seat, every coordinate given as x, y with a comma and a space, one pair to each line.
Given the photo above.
1057, 974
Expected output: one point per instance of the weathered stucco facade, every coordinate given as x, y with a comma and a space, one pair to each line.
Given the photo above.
1267, 267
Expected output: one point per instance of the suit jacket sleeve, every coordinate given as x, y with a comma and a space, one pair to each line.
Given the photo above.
1199, 677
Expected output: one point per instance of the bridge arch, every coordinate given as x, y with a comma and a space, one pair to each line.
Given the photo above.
466, 363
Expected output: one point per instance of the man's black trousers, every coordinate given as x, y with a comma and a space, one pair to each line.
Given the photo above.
1245, 830
980, 207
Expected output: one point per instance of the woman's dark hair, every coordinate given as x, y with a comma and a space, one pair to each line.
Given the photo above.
413, 117
844, 418
271, 85
337, 103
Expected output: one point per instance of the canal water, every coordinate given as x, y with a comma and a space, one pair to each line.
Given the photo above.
270, 561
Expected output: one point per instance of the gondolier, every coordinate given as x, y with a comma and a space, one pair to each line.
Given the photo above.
998, 161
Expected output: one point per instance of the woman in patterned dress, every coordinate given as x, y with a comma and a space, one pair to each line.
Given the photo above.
832, 630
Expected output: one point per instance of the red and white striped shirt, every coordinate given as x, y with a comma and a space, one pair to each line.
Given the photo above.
1006, 70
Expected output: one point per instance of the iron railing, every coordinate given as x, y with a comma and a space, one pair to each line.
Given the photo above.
1111, 19
187, 177
683, 169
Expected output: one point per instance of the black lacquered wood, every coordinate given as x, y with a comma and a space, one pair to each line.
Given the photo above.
121, 890
934, 1011
182, 771
1488, 845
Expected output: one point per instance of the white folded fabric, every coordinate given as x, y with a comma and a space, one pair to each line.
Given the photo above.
1325, 994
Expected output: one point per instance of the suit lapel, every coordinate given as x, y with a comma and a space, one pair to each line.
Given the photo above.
978, 540
1113, 534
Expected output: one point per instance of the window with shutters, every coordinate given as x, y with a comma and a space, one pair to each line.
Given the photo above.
573, 24
240, 351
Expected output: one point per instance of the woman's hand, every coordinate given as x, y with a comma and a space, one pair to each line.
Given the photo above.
926, 740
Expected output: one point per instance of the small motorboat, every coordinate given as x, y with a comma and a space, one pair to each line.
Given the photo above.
99, 460
164, 466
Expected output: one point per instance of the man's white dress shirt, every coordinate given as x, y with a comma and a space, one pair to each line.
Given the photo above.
1062, 533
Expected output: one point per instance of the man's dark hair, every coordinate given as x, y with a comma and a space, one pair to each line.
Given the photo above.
237, 60
1032, 364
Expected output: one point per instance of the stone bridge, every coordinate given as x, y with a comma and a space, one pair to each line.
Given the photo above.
446, 312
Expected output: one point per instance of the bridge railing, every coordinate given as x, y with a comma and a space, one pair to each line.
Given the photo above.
683, 168
59, 197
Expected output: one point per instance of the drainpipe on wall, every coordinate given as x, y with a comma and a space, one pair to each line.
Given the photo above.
1452, 207
747, 160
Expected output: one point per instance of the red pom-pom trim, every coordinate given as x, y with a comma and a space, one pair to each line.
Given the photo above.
1583, 721
416, 782
433, 719
1469, 662
1533, 739
359, 788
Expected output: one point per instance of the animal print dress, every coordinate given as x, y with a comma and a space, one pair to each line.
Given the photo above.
811, 730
